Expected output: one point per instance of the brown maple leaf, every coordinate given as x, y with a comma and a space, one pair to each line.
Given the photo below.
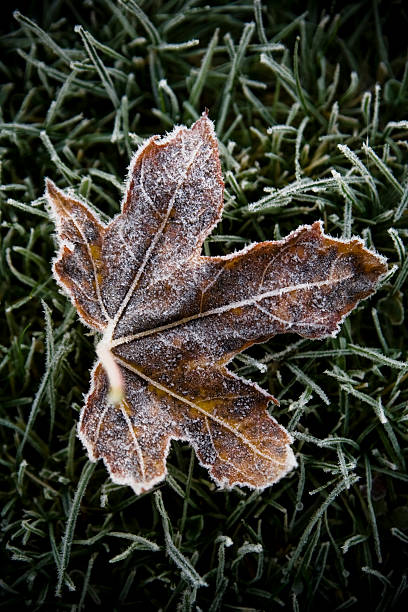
172, 319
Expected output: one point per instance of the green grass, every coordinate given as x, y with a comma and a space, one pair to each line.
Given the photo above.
310, 109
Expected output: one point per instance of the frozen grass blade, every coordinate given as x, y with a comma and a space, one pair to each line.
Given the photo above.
63, 168
307, 107
353, 158
86, 581
28, 209
398, 244
375, 404
238, 57
199, 83
89, 45
306, 380
338, 489
371, 510
374, 126
32, 27
299, 137
401, 276
66, 543
221, 581
50, 365
175, 108
378, 357
383, 169
188, 571
151, 31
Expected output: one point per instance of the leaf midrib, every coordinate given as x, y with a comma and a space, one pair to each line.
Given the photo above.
152, 245
227, 307
191, 404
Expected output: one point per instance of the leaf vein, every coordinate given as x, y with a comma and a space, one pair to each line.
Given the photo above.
184, 400
221, 309
135, 443
153, 244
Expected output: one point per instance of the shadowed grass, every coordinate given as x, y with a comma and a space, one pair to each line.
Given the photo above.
310, 110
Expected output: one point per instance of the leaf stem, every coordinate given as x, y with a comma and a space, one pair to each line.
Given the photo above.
112, 369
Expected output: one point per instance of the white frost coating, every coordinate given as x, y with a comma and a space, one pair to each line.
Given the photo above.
173, 319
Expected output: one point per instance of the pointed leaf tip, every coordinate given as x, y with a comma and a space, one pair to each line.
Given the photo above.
50, 187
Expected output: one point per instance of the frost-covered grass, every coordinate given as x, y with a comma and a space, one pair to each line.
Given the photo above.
311, 113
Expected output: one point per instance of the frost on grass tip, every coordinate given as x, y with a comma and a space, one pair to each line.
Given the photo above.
171, 319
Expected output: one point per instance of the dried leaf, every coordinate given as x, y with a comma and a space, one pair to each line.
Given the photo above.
171, 318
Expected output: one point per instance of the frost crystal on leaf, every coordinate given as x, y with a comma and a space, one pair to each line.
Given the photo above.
171, 319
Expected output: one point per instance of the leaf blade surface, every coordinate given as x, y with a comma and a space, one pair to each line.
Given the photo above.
172, 319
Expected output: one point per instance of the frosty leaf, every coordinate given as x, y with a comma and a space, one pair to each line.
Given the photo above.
171, 318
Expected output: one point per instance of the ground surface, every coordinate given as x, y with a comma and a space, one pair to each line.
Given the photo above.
295, 93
